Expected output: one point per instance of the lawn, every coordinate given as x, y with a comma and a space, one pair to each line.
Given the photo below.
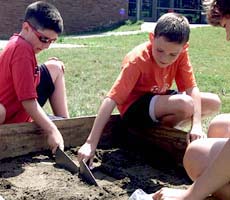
92, 69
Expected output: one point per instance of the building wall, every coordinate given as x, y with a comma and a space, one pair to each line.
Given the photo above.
78, 15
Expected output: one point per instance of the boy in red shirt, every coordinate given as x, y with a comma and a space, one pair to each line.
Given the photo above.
142, 90
25, 86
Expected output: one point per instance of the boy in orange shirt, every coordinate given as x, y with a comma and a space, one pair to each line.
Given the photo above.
142, 90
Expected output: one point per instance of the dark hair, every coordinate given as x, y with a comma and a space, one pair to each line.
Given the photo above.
174, 27
216, 10
43, 15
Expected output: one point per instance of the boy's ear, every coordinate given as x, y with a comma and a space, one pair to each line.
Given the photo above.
151, 37
25, 26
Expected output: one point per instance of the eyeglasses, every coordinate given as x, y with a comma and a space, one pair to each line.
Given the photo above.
42, 38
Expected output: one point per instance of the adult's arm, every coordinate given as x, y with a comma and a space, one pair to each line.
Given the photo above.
212, 179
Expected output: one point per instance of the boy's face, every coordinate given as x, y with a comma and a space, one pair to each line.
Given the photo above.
39, 39
225, 23
164, 52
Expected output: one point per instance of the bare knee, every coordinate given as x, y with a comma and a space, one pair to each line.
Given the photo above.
183, 111
2, 113
56, 68
186, 108
219, 126
216, 103
194, 161
211, 103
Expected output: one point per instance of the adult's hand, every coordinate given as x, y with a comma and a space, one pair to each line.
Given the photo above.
171, 194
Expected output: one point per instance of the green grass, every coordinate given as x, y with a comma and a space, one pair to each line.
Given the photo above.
209, 52
92, 69
128, 25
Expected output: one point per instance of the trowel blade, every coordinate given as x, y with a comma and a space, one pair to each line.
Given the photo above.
87, 174
63, 160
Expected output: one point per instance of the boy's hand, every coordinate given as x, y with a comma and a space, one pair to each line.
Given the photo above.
55, 140
54, 137
194, 135
86, 152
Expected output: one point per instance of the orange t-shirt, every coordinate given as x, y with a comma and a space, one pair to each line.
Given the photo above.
140, 74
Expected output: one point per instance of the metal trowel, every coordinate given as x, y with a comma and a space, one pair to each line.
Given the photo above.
63, 160
87, 174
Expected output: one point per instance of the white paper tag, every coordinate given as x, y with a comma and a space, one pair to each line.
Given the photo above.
139, 194
1, 198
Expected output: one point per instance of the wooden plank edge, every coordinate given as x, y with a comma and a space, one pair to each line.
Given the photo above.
23, 138
170, 140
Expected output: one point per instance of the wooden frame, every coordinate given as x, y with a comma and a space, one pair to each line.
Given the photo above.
23, 138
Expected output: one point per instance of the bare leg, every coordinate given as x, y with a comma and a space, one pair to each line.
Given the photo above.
220, 127
172, 109
2, 114
178, 109
199, 155
58, 100
210, 103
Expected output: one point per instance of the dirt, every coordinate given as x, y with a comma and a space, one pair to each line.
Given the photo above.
119, 172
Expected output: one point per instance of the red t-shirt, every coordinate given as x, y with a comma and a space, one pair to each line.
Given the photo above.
140, 75
18, 78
